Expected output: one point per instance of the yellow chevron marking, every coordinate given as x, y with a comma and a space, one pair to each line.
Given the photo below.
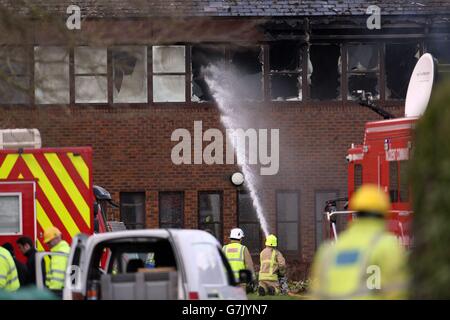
51, 194
81, 167
42, 217
7, 165
69, 186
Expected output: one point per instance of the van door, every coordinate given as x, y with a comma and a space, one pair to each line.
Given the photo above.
17, 212
74, 287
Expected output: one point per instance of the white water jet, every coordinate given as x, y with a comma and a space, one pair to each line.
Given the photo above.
227, 88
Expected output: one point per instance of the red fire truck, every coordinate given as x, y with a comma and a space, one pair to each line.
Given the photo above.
382, 157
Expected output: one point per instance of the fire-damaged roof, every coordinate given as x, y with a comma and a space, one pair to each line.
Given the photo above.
230, 8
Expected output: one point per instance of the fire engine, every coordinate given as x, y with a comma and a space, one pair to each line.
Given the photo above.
43, 187
382, 157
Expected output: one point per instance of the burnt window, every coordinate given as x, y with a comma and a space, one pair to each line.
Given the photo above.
363, 69
132, 209
210, 213
398, 181
441, 51
169, 74
288, 220
91, 85
358, 176
326, 72
249, 223
202, 57
14, 75
286, 60
171, 209
247, 63
400, 61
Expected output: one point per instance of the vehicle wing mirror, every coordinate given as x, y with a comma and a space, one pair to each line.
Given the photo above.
245, 276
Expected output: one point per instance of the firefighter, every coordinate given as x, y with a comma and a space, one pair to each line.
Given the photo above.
56, 273
237, 254
272, 267
366, 262
9, 280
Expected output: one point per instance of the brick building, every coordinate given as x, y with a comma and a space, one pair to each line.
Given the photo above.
132, 75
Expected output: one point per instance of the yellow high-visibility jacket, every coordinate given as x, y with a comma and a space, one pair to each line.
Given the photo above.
235, 254
56, 272
9, 280
366, 262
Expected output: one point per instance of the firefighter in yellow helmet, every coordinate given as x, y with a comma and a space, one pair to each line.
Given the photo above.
56, 273
9, 280
272, 266
366, 262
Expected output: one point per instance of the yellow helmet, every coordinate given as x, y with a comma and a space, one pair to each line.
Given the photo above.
369, 198
271, 240
51, 233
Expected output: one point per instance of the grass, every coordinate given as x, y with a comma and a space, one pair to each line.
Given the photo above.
255, 296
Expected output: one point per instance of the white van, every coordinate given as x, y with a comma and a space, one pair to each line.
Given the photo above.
185, 264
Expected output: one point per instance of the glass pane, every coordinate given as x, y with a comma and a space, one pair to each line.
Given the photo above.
286, 87
169, 88
252, 238
169, 59
51, 69
441, 51
129, 74
91, 89
285, 56
400, 62
363, 57
404, 185
13, 60
14, 90
171, 210
367, 82
209, 264
246, 210
287, 206
288, 236
247, 62
9, 214
210, 207
358, 176
213, 228
393, 181
132, 209
90, 60
326, 72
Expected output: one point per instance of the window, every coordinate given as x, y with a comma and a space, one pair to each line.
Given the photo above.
10, 214
91, 84
210, 213
441, 51
400, 62
209, 264
14, 75
169, 74
363, 69
326, 72
247, 63
171, 209
286, 59
51, 75
249, 223
129, 65
288, 220
321, 198
358, 176
202, 57
398, 181
132, 209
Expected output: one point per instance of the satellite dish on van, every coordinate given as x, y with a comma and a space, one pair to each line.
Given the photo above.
420, 86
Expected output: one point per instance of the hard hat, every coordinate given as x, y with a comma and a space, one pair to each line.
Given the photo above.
271, 240
51, 233
369, 198
236, 233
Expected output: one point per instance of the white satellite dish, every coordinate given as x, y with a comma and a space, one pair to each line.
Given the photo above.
420, 86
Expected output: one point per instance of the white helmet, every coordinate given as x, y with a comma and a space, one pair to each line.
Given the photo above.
236, 233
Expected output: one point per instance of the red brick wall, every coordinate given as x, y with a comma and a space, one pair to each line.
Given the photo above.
132, 150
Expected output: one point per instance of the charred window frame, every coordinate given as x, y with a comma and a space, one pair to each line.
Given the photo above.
325, 81
363, 66
248, 222
285, 70
210, 213
15, 75
441, 51
171, 209
169, 73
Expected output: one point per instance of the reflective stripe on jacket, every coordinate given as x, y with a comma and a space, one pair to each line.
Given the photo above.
268, 265
235, 255
56, 272
9, 280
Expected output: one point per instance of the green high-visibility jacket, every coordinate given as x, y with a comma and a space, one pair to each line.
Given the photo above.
9, 280
56, 273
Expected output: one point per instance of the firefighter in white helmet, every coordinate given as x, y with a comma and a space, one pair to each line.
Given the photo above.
237, 254
272, 266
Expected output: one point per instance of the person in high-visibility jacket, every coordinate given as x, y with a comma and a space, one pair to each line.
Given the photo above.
272, 266
9, 280
367, 261
237, 254
56, 273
